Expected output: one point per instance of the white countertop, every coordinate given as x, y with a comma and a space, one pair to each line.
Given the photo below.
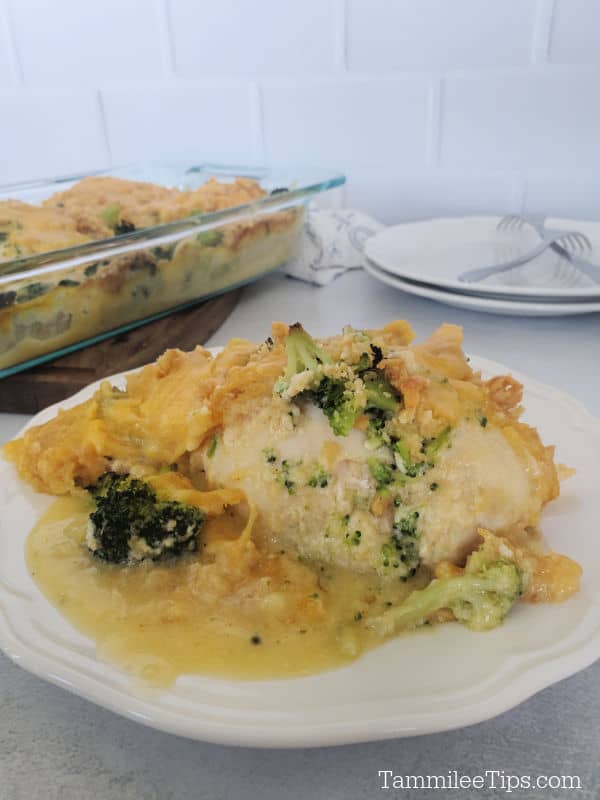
54, 745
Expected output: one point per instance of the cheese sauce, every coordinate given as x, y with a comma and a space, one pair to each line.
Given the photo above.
228, 610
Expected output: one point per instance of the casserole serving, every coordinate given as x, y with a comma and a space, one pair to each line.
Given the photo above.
86, 256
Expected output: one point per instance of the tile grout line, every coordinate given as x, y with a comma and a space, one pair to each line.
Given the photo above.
518, 193
434, 123
11, 43
340, 35
103, 124
542, 31
257, 122
165, 35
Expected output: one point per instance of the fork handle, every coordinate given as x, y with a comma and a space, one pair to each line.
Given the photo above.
479, 274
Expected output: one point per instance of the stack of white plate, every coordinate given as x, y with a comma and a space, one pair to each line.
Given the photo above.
426, 259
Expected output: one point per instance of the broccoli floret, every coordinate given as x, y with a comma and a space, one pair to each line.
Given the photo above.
31, 291
337, 403
270, 455
406, 466
319, 479
131, 524
111, 214
380, 394
342, 394
7, 299
302, 352
284, 477
91, 269
377, 435
479, 598
124, 227
212, 238
405, 538
339, 395
369, 360
353, 539
382, 473
282, 472
164, 252
388, 555
432, 447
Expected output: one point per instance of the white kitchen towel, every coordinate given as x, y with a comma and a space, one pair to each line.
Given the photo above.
333, 244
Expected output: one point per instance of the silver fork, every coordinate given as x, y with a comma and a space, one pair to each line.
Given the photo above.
573, 243
567, 243
575, 255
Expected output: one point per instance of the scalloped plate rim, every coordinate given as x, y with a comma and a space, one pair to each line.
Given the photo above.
524, 680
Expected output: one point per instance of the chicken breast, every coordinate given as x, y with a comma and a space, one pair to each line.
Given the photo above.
317, 495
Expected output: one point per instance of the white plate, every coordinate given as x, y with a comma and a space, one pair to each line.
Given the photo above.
437, 251
432, 681
515, 308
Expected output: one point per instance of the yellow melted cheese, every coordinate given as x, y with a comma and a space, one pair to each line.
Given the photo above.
201, 613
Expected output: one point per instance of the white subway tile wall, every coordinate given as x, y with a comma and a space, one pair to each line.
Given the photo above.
50, 133
86, 43
404, 194
438, 34
575, 36
371, 121
189, 123
8, 70
574, 196
429, 106
521, 122
237, 37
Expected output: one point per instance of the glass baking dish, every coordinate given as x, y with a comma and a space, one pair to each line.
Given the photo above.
55, 302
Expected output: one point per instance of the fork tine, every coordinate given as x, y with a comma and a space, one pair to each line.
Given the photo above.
574, 242
510, 222
580, 241
516, 221
586, 244
569, 242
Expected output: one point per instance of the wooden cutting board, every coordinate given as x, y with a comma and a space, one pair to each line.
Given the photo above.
30, 391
